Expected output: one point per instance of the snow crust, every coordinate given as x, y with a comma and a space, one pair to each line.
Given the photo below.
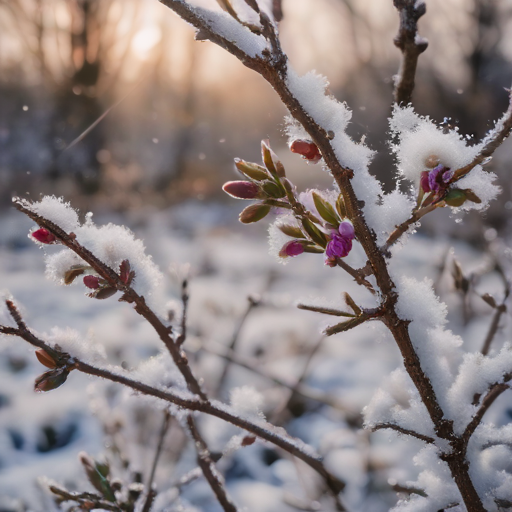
110, 243
419, 138
223, 24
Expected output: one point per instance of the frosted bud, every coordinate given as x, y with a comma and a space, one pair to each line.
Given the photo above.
291, 249
307, 149
43, 236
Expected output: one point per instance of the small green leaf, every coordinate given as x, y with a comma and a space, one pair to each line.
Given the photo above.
316, 235
253, 171
340, 207
293, 231
325, 210
254, 213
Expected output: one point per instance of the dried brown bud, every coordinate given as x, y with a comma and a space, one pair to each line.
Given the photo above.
431, 161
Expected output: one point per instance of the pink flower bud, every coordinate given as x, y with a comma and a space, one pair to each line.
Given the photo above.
307, 149
242, 189
43, 236
291, 249
92, 282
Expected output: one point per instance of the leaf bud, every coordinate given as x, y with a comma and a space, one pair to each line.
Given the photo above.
272, 189
272, 163
51, 380
291, 249
254, 213
242, 189
455, 197
92, 282
253, 171
45, 359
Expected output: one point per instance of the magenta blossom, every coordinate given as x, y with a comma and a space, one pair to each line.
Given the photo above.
291, 249
340, 243
437, 180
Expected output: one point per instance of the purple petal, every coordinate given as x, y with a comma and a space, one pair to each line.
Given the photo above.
346, 230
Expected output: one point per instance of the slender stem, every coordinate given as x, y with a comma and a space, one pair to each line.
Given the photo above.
492, 142
184, 300
402, 228
493, 328
196, 403
305, 391
149, 486
204, 459
411, 46
358, 276
398, 428
252, 303
325, 310
494, 392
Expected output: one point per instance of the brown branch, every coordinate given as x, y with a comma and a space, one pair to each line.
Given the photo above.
365, 316
494, 392
493, 328
406, 431
359, 277
411, 46
184, 301
492, 142
305, 391
402, 228
194, 404
273, 69
252, 303
325, 310
204, 459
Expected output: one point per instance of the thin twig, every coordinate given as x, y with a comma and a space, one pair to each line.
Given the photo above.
359, 277
184, 300
402, 228
499, 311
296, 388
325, 310
402, 430
204, 459
305, 391
493, 328
149, 486
252, 303
194, 404
494, 392
491, 143
411, 46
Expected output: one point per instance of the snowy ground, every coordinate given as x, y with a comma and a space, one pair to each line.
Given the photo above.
41, 434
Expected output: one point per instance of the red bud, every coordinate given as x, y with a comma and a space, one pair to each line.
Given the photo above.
307, 149
43, 236
242, 189
92, 282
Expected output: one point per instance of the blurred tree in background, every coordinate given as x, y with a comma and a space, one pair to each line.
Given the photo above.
171, 121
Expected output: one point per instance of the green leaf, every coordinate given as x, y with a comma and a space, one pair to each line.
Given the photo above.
254, 213
253, 171
316, 235
293, 231
325, 210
